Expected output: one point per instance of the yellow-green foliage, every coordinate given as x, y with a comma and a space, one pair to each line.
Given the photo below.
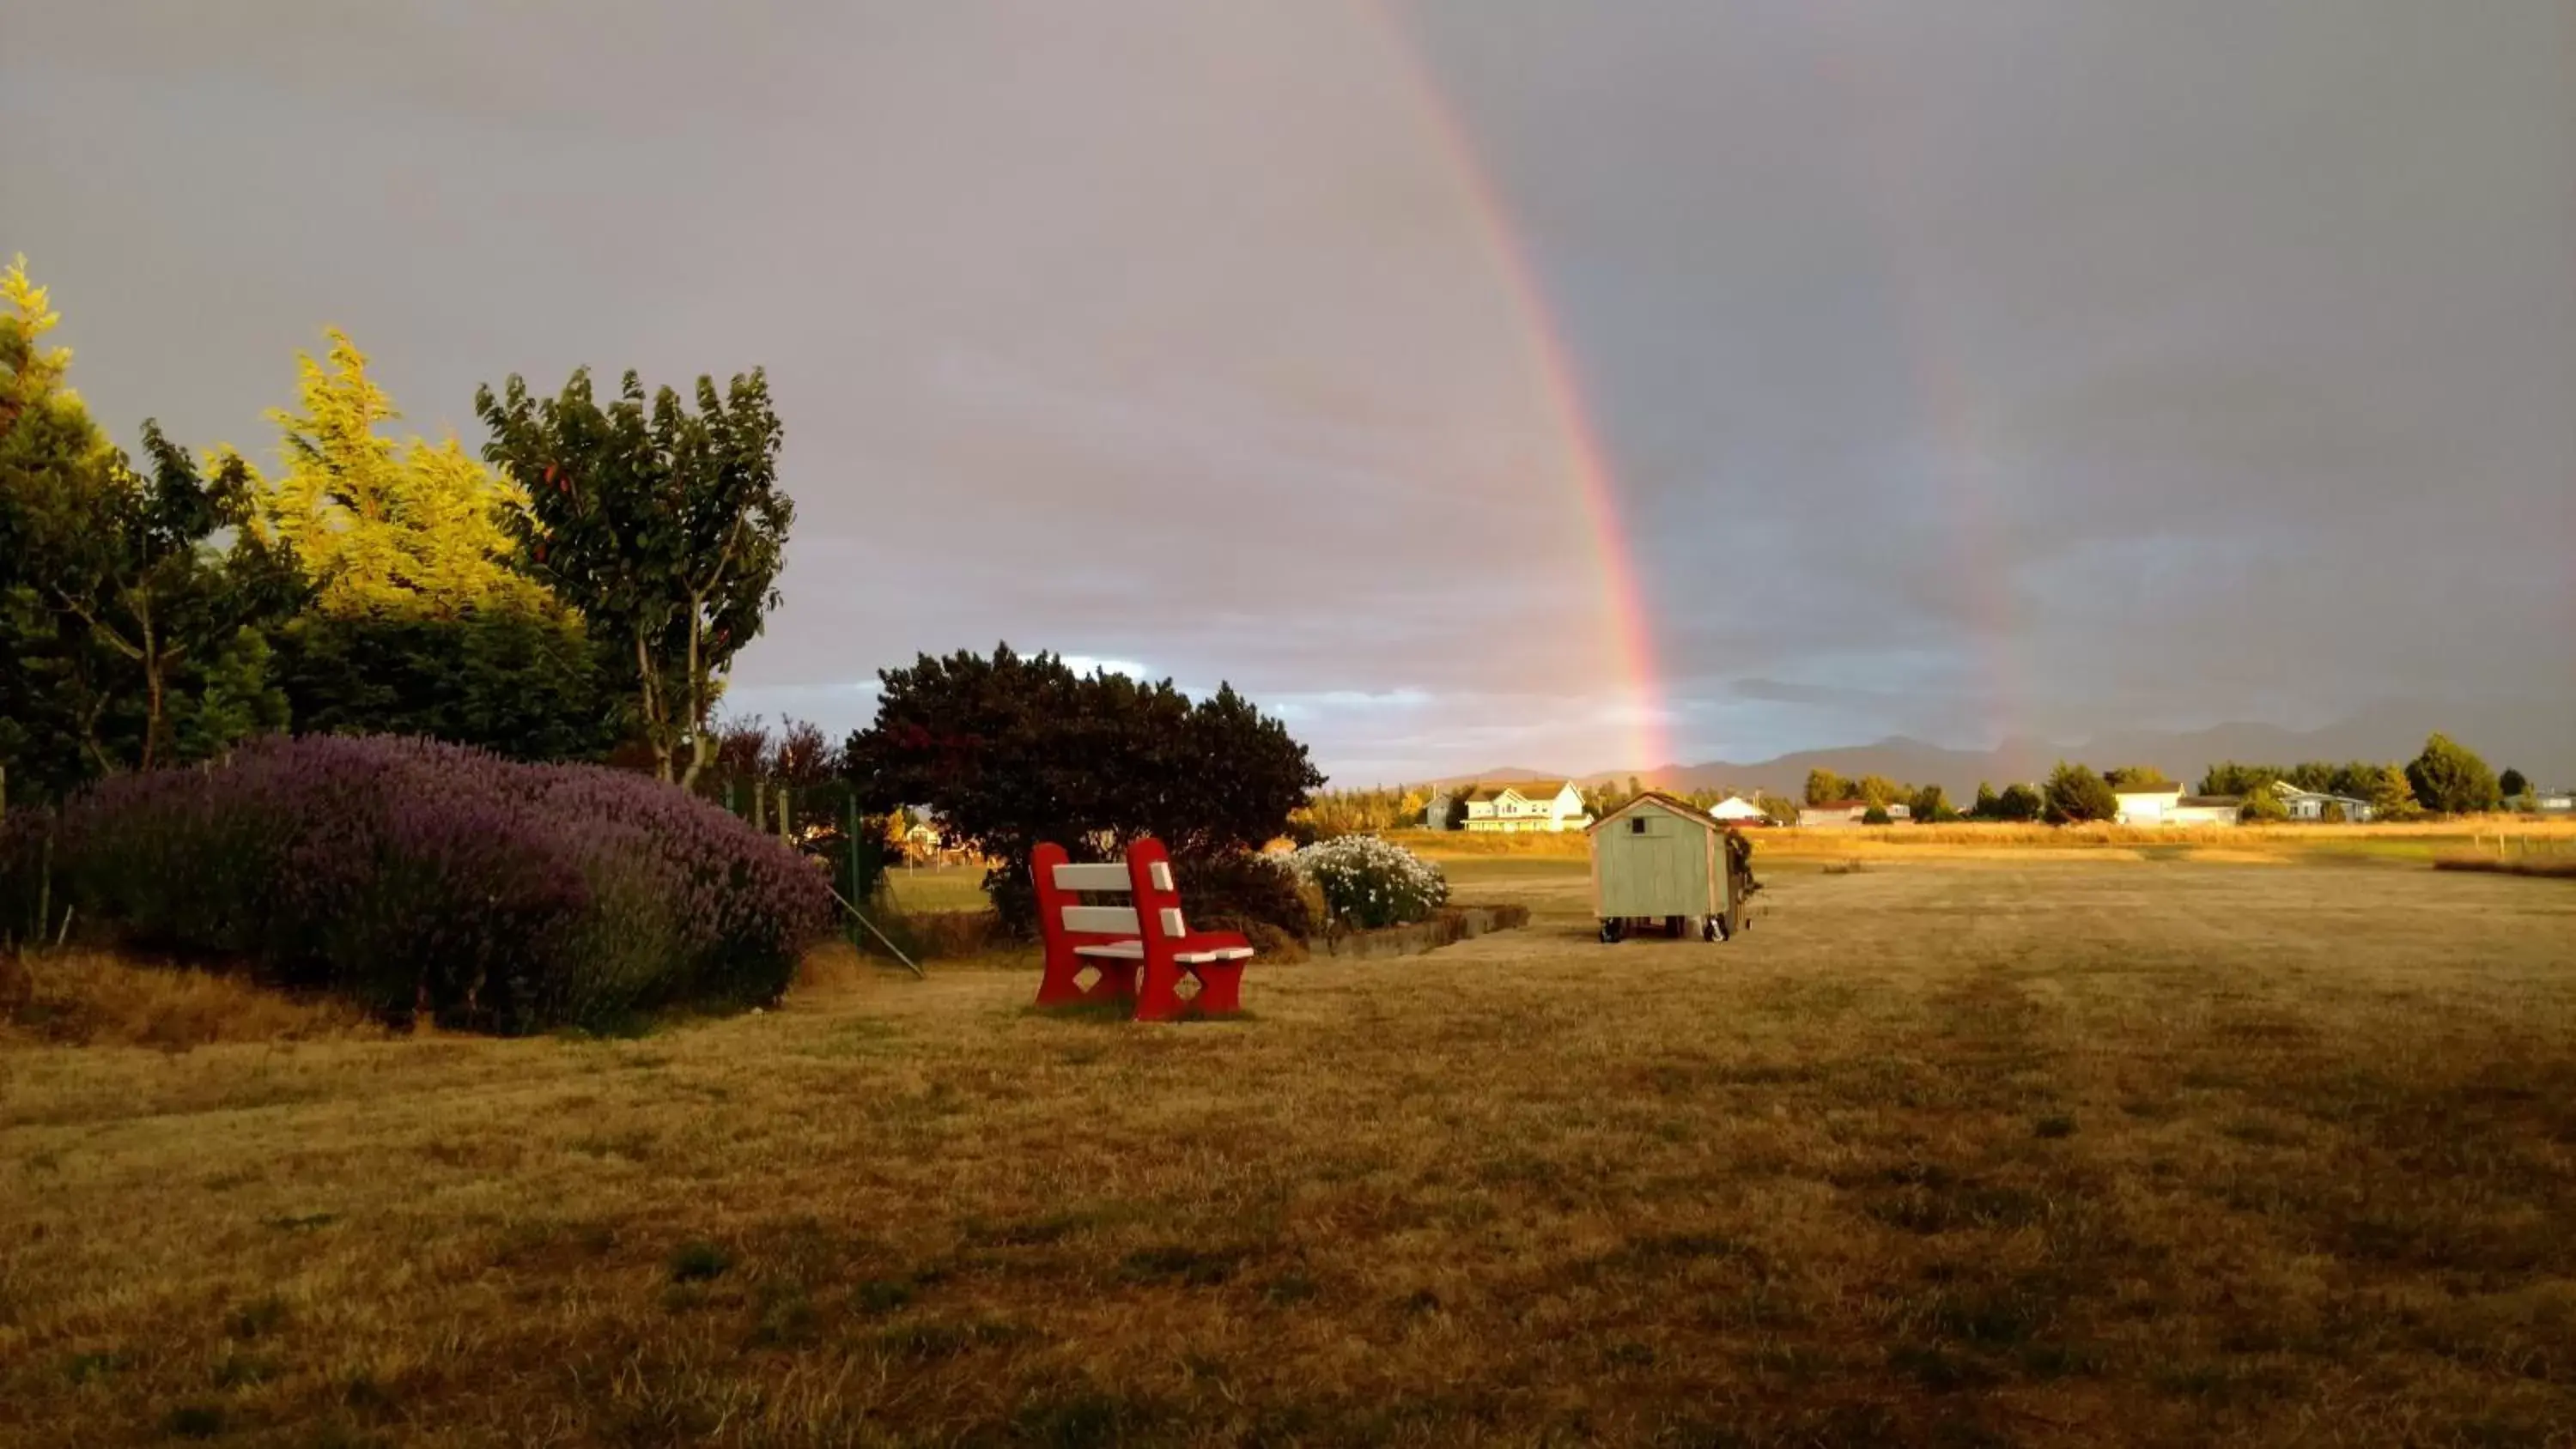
32, 390
412, 528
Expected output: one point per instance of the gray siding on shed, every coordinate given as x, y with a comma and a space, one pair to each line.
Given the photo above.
1674, 867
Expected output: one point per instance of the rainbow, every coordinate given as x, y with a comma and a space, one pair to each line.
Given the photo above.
1628, 629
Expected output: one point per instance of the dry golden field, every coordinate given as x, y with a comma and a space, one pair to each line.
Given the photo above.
1965, 1147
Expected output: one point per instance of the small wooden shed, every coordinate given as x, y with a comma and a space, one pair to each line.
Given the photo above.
1658, 861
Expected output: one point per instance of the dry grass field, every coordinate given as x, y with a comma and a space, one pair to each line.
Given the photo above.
1948, 1150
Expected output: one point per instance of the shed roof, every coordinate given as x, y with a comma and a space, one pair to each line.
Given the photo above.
1677, 806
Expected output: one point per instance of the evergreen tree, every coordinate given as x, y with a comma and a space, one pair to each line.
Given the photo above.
408, 530
133, 608
2075, 794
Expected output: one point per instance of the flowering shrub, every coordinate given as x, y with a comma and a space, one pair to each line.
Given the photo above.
411, 874
1369, 882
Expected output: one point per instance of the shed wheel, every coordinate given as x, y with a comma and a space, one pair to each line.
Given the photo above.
1712, 929
1610, 932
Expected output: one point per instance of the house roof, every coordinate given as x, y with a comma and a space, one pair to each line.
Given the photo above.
1680, 807
2167, 788
1526, 789
2288, 791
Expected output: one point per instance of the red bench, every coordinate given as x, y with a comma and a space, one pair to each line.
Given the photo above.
1143, 952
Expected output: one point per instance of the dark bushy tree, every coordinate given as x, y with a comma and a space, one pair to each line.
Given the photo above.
2262, 807
2449, 778
2135, 777
1931, 805
2512, 783
1013, 750
1988, 805
522, 684
2019, 803
664, 526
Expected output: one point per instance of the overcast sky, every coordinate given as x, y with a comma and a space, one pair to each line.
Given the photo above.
1986, 367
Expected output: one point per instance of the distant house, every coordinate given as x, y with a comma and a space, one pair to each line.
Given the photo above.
1735, 809
2145, 804
1847, 812
1521, 805
2311, 804
2554, 802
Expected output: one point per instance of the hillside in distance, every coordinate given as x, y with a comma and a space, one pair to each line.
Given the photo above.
2538, 738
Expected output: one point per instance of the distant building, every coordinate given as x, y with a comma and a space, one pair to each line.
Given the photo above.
1522, 805
1847, 812
2311, 804
2554, 802
1735, 808
2145, 804
2205, 810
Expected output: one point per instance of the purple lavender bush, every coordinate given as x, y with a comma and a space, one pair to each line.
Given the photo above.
414, 876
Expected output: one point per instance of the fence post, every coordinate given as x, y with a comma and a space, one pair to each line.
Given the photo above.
786, 813
850, 848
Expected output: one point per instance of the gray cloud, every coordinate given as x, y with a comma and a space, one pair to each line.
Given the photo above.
2023, 365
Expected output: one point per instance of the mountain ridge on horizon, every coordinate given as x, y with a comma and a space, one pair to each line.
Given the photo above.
2544, 749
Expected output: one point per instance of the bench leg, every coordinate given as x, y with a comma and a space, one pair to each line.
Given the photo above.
1059, 986
1220, 989
1220, 992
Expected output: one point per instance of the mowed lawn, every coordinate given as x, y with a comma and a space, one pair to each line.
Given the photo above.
1986, 1152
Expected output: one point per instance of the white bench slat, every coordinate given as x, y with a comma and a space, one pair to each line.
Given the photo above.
1117, 950
1162, 874
1172, 922
1221, 953
1108, 920
1092, 878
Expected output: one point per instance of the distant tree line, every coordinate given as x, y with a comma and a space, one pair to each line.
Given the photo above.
587, 581
2445, 778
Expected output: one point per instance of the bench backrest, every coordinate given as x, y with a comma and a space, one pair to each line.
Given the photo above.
1061, 885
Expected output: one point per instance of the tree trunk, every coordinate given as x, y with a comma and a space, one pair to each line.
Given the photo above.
697, 699
152, 662
654, 733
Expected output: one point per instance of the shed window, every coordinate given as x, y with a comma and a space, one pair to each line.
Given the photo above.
1636, 825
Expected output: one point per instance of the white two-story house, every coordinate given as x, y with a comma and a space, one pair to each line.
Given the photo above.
1520, 805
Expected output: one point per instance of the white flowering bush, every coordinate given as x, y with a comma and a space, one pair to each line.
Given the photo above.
1368, 882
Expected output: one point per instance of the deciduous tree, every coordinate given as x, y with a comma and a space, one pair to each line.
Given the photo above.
165, 575
665, 526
